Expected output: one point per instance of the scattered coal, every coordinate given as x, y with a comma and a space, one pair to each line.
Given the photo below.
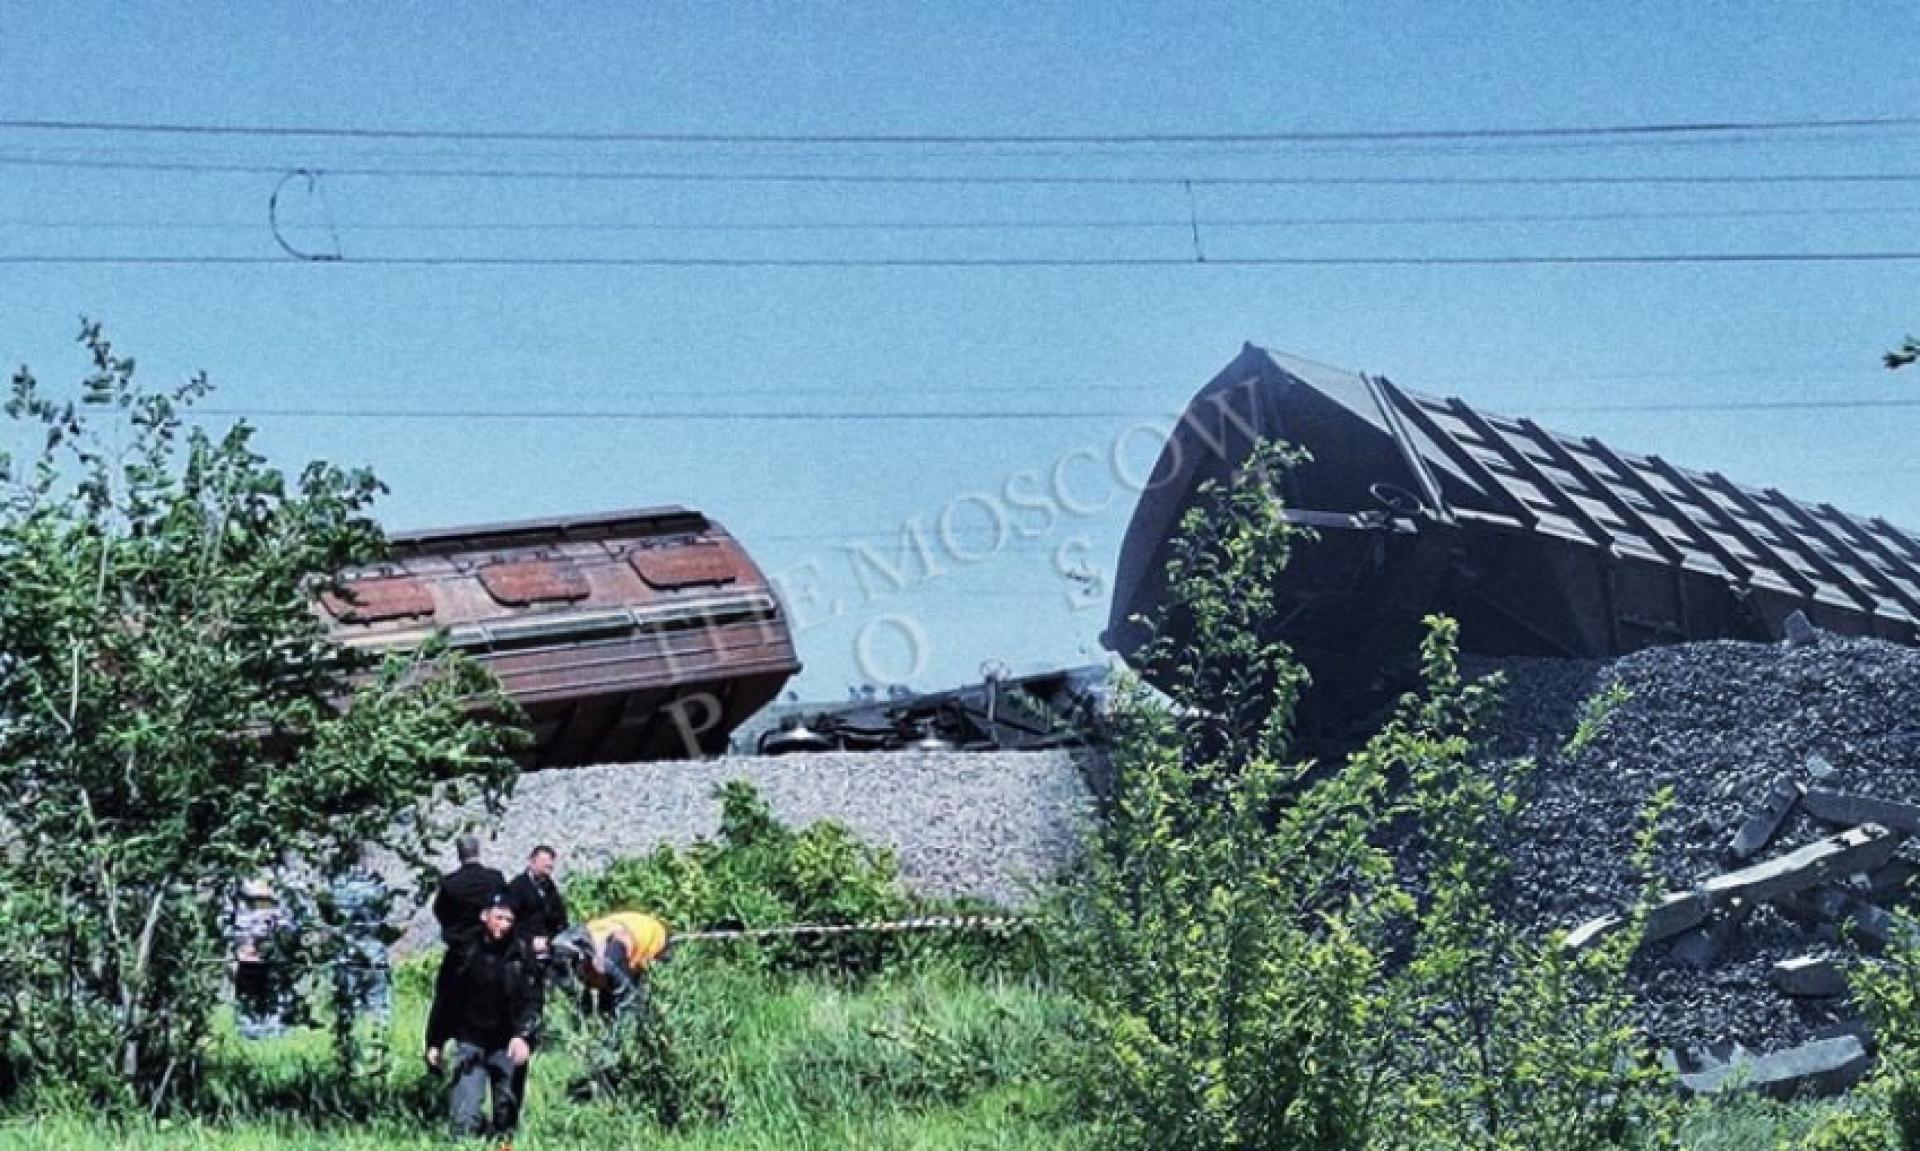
1718, 723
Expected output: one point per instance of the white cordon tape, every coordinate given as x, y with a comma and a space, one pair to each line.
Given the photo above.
925, 923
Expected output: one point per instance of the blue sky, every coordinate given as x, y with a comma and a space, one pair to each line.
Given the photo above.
819, 412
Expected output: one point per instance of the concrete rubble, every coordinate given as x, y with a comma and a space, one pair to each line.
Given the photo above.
1787, 852
1822, 1067
1703, 924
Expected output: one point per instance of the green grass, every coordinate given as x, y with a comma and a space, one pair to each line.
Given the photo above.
1751, 1123
928, 1057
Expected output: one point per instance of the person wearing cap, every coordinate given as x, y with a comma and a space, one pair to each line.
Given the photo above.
490, 1012
458, 902
611, 956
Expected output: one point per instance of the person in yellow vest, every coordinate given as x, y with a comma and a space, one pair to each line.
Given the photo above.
611, 956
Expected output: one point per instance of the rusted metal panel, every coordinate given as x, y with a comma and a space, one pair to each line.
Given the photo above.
378, 599
1538, 542
521, 583
673, 568
612, 657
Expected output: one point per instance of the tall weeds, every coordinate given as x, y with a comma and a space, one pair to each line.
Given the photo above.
1259, 971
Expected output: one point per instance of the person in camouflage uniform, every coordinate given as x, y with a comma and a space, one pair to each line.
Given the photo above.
358, 906
259, 929
356, 909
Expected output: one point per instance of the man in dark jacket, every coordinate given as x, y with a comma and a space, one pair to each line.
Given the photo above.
464, 893
539, 914
458, 903
539, 910
490, 1012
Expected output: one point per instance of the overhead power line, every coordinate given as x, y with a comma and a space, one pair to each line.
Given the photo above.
988, 225
1737, 406
983, 416
603, 175
1287, 136
1801, 376
963, 262
646, 416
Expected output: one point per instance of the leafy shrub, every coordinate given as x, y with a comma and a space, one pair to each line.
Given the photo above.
1511, 1041
759, 873
174, 719
1256, 973
1888, 989
1595, 712
1228, 945
1852, 1130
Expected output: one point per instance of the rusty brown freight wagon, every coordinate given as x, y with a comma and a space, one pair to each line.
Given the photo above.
631, 635
1540, 543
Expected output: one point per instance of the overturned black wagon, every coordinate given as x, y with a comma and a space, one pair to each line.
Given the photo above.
1538, 542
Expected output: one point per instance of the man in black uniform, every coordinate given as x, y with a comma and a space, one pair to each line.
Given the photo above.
490, 1010
539, 910
539, 914
462, 896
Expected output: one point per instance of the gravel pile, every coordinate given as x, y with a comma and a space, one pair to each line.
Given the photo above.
1717, 722
978, 824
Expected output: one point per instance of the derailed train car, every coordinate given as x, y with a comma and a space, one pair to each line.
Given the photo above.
1539, 543
633, 635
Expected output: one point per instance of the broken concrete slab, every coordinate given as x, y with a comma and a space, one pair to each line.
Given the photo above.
1823, 1067
1666, 919
1760, 827
1849, 810
1894, 878
1824, 904
1694, 1058
1844, 917
1702, 946
1858, 849
1592, 931
1871, 926
1674, 914
1810, 977
1860, 1029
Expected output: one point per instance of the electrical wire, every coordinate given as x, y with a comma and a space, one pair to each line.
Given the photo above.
640, 416
966, 262
669, 176
290, 131
984, 225
986, 416
1171, 388
1877, 141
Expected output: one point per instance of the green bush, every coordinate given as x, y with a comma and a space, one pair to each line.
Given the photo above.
759, 873
1228, 944
1888, 989
178, 720
1510, 1040
1259, 972
1596, 712
1863, 1130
